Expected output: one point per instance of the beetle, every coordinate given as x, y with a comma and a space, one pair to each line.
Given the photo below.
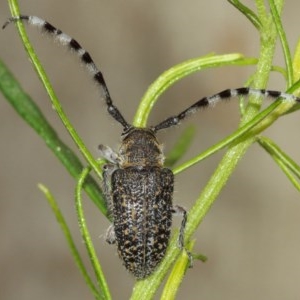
141, 201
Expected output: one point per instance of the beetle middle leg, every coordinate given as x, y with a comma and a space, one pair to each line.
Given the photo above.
110, 235
111, 156
107, 153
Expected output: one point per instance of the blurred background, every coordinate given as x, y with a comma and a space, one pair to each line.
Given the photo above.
251, 234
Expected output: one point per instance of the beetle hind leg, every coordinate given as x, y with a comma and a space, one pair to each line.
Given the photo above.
179, 210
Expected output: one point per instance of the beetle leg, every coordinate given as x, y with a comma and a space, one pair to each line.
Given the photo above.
179, 210
109, 154
110, 235
108, 169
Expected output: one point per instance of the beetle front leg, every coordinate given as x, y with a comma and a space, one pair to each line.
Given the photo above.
109, 154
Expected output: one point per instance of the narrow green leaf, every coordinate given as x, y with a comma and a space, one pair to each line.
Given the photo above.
67, 233
33, 116
280, 70
296, 62
169, 77
285, 162
101, 281
284, 43
251, 16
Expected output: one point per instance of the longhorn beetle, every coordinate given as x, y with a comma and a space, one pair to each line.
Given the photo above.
137, 186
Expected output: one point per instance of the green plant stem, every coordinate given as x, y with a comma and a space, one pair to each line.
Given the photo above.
101, 281
66, 231
177, 274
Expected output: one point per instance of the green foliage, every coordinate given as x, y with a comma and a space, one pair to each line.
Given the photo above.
251, 124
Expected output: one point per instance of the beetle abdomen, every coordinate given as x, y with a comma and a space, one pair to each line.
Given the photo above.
142, 212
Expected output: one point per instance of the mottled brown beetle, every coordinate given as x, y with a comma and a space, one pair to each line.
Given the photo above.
138, 188
140, 194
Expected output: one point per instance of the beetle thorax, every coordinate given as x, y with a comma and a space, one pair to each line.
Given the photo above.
140, 148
